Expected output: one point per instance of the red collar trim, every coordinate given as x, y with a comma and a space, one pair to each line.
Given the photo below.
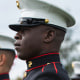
6, 79
42, 55
3, 73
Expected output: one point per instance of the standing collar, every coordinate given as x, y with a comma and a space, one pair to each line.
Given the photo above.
42, 60
4, 76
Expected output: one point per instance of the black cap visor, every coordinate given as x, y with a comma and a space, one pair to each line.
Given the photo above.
32, 22
5, 49
17, 27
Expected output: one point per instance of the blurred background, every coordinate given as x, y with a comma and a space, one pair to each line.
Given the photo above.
70, 49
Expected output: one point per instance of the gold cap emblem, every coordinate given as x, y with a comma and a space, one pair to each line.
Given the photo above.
18, 5
46, 20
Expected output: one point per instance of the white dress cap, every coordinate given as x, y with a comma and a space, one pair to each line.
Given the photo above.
6, 42
76, 67
43, 9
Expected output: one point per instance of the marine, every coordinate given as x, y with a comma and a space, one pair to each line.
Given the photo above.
40, 33
7, 56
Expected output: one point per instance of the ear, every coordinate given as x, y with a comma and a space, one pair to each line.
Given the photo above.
49, 35
2, 59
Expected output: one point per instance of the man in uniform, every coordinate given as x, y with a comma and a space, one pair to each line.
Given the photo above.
76, 68
38, 39
7, 56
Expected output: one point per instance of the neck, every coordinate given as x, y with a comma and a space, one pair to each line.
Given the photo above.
3, 70
49, 49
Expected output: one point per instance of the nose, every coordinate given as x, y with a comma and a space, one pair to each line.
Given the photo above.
18, 36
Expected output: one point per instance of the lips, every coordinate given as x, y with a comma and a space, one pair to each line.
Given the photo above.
17, 46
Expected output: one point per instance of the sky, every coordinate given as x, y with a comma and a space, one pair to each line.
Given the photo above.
9, 14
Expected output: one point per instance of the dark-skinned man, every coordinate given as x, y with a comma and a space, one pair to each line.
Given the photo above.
38, 39
7, 56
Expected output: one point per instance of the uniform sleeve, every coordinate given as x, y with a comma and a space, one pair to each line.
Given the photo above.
48, 76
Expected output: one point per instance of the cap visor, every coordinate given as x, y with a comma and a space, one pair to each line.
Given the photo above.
17, 27
6, 49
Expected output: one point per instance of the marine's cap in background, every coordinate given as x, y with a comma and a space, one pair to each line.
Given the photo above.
76, 68
37, 12
6, 43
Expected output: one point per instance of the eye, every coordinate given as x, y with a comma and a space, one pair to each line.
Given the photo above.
25, 30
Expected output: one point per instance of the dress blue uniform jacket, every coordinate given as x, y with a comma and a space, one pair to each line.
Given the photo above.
4, 76
46, 67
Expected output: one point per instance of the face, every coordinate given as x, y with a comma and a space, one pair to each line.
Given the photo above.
29, 42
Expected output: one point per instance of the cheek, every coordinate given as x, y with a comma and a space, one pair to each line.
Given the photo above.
31, 42
24, 42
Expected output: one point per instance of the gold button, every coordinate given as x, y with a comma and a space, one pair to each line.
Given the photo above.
25, 74
46, 20
48, 63
29, 63
18, 5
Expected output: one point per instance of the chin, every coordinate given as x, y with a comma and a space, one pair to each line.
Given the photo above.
21, 57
